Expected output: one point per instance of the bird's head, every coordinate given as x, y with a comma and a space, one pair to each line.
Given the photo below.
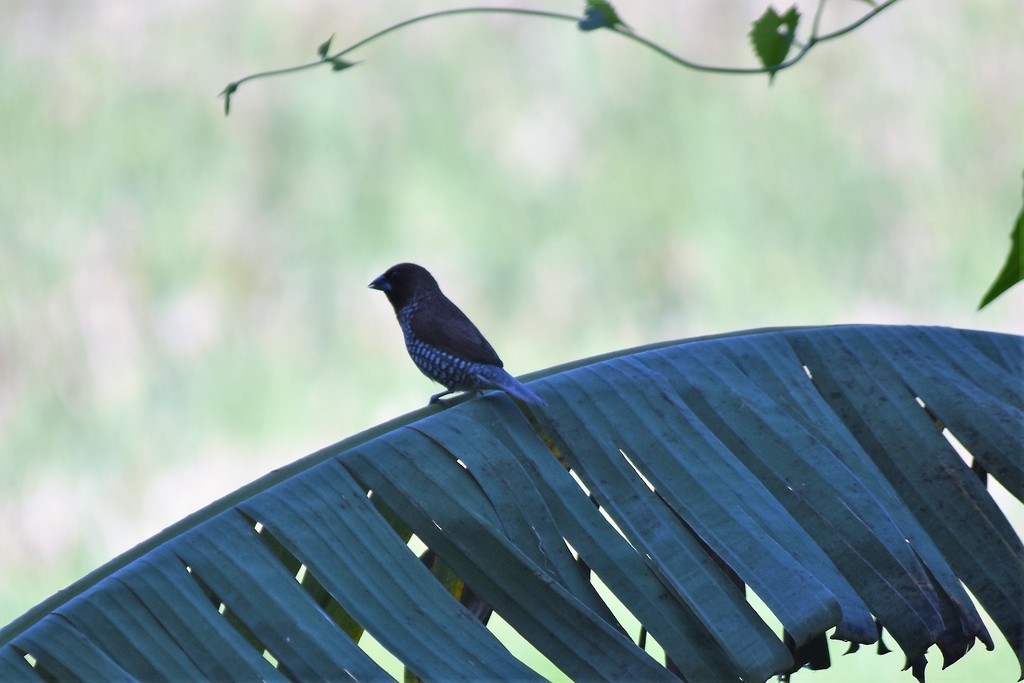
404, 282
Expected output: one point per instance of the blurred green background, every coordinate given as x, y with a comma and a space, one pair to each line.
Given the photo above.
183, 301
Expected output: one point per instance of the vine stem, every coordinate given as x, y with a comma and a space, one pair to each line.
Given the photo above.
811, 42
333, 59
336, 58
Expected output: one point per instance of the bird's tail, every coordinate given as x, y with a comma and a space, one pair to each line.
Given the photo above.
498, 378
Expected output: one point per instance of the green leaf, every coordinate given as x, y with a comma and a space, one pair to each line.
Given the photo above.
772, 35
339, 64
809, 465
1013, 269
325, 519
416, 477
835, 504
599, 14
247, 576
324, 48
226, 93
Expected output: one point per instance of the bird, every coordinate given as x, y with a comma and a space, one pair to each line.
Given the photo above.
443, 343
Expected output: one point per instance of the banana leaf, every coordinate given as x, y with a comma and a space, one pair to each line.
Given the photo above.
838, 474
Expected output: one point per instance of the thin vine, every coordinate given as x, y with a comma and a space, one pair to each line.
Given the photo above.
772, 36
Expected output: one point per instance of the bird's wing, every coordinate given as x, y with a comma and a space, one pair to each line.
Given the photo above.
440, 323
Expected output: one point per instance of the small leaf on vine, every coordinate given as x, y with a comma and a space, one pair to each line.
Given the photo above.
339, 64
599, 14
226, 93
324, 48
772, 35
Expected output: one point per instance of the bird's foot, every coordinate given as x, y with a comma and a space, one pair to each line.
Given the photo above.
436, 398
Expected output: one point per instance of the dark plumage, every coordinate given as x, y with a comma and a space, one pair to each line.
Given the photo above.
441, 340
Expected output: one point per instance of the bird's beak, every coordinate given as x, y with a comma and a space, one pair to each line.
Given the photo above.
380, 284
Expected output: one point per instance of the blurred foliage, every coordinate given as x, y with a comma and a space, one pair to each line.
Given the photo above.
184, 306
